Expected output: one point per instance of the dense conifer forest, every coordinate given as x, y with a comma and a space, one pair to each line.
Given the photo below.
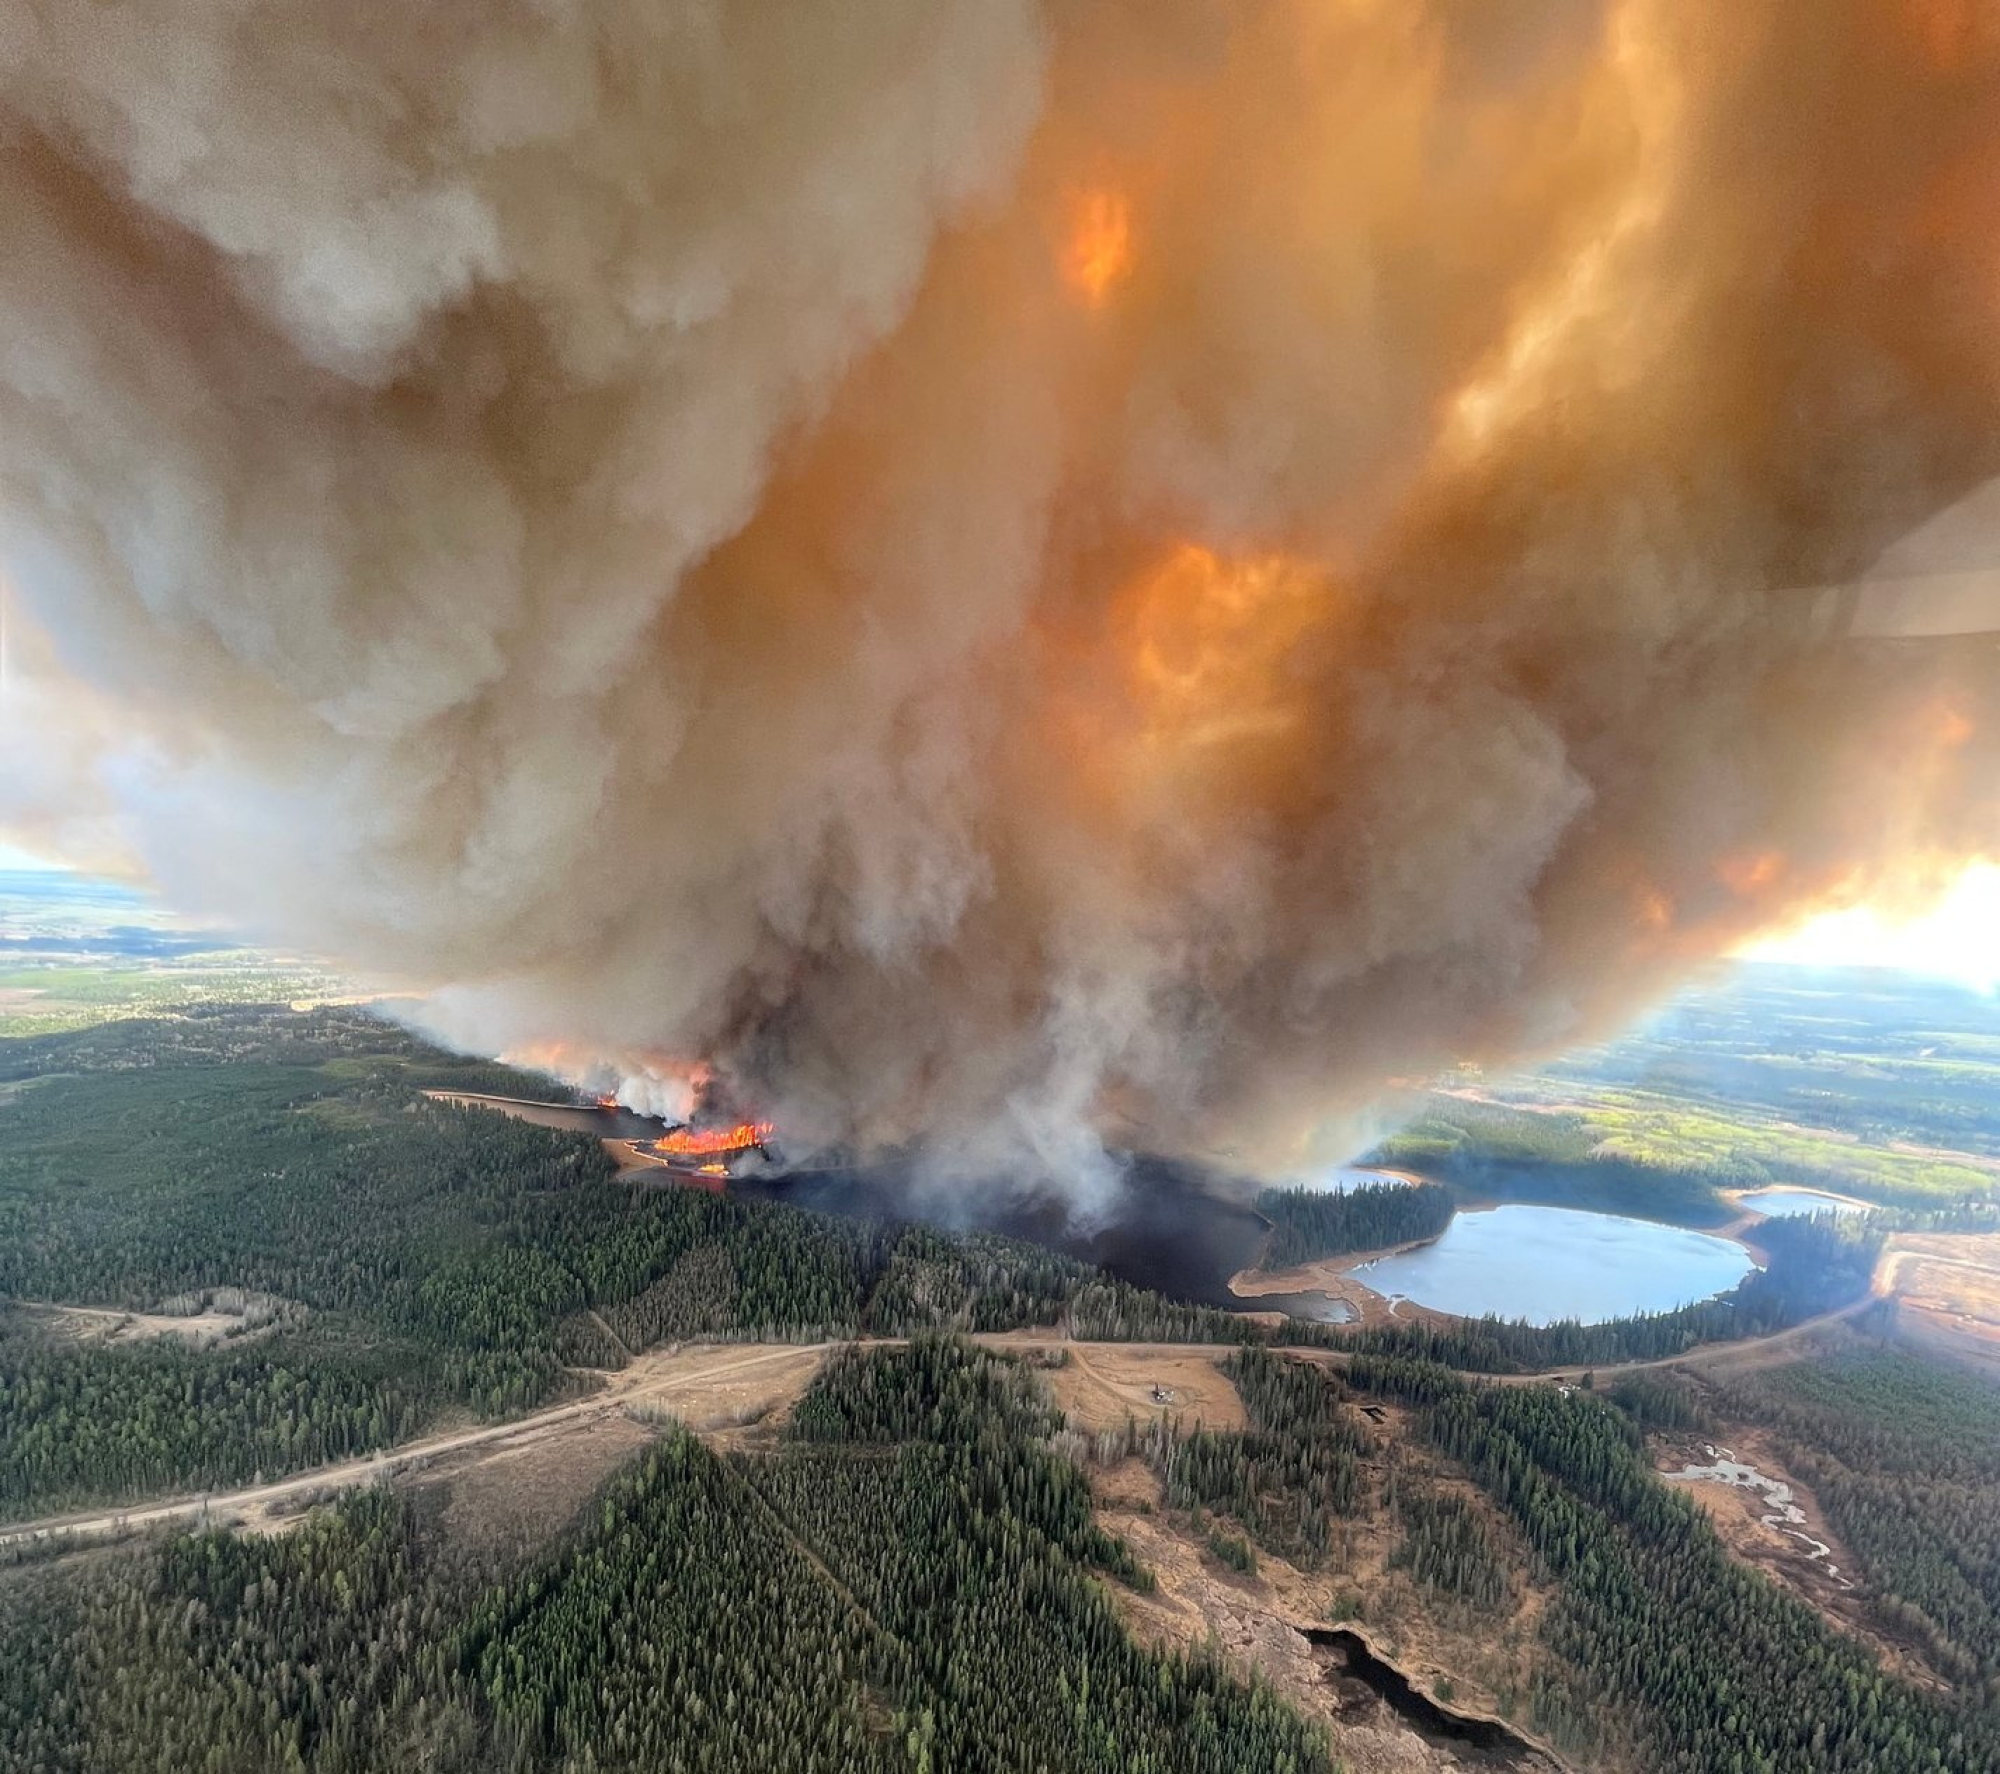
1903, 1454
1308, 1224
425, 1256
1447, 1547
1720, 1671
912, 1581
1291, 1475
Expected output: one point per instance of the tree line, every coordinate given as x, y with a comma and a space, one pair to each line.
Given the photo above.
1309, 1224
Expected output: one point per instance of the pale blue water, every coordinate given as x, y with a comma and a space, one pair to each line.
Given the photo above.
1546, 1264
1784, 1203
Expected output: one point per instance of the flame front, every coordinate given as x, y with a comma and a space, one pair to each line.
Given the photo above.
714, 1142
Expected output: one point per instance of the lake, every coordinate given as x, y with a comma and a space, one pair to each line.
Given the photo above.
1779, 1204
1546, 1264
606, 1122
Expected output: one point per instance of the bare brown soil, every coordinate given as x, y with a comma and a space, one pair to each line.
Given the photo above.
1947, 1292
721, 1390
1331, 1276
1255, 1621
1102, 1385
523, 1493
94, 1324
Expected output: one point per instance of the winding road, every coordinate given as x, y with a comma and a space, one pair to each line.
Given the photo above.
662, 1378
732, 1383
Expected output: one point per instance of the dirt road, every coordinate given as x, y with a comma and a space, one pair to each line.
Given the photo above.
707, 1386
713, 1387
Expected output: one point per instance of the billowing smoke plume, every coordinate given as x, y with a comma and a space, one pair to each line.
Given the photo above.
1005, 574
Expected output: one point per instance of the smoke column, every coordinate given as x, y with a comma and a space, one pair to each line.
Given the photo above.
1007, 576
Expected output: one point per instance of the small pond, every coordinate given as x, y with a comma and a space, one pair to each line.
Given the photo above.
1546, 1264
1779, 1204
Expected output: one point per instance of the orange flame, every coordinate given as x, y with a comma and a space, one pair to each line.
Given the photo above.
1097, 255
714, 1142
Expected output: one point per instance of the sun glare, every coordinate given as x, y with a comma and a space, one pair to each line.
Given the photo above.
1958, 938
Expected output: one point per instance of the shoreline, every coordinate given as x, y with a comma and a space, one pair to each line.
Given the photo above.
1334, 1278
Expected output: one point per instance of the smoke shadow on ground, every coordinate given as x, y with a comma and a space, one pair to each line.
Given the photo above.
1170, 1228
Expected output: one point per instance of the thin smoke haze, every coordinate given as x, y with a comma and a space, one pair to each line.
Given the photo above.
1005, 576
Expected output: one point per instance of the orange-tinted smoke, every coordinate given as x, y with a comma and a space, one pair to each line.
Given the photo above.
1097, 251
1009, 576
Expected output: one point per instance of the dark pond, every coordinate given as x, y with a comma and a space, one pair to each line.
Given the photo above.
1492, 1743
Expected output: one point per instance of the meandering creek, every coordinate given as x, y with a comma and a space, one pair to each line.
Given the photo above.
1784, 1515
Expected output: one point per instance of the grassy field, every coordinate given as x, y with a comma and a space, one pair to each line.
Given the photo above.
1878, 1086
75, 952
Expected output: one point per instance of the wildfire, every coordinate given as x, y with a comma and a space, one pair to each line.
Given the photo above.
555, 1057
1097, 255
713, 1142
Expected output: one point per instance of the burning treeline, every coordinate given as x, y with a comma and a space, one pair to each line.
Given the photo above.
1000, 572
